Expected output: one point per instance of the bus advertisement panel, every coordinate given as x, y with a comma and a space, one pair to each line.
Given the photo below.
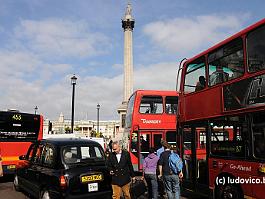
17, 132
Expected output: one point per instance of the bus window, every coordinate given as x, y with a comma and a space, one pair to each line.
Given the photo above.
258, 129
171, 138
228, 137
195, 71
202, 139
255, 49
145, 142
134, 142
226, 63
171, 104
128, 120
157, 140
151, 105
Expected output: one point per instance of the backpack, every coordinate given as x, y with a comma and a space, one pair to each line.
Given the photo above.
175, 162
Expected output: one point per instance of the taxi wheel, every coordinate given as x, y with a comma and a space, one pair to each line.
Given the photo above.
16, 184
45, 194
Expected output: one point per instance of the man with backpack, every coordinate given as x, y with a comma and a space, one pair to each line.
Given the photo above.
170, 167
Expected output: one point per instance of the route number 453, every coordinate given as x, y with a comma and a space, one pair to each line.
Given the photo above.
16, 117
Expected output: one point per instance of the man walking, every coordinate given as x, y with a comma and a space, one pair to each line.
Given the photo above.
121, 170
171, 180
162, 148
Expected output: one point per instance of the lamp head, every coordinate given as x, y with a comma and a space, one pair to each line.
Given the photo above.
73, 79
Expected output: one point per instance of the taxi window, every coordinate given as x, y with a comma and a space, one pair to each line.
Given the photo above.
47, 156
30, 153
75, 154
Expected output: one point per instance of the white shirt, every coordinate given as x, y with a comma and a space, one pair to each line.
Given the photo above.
118, 156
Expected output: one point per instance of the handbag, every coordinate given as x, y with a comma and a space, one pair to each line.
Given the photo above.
137, 188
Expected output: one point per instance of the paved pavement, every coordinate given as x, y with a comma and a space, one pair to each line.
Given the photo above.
7, 191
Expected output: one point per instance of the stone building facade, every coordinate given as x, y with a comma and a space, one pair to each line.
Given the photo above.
108, 129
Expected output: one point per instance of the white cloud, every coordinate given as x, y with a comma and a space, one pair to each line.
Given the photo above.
161, 76
90, 90
61, 38
117, 66
17, 64
181, 35
51, 90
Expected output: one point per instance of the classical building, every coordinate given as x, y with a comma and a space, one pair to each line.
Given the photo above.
88, 128
127, 25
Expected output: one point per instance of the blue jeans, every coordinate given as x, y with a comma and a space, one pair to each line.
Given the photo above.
152, 185
172, 186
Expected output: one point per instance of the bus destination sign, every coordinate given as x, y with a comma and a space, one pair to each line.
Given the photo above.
246, 93
18, 135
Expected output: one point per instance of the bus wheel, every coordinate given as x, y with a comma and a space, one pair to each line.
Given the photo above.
16, 184
228, 191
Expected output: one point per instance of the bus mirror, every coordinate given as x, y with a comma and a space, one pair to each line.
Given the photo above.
262, 169
22, 157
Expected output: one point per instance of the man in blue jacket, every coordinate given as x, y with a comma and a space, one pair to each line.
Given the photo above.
170, 179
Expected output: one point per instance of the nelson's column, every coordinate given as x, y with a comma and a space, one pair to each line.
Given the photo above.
127, 25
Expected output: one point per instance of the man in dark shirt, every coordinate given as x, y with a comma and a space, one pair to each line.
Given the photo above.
171, 180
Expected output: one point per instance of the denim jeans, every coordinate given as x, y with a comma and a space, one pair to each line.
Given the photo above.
172, 186
152, 185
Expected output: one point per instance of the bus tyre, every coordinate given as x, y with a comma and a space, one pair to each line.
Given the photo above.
228, 191
16, 184
45, 194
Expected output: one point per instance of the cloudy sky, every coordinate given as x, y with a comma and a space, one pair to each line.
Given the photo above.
44, 42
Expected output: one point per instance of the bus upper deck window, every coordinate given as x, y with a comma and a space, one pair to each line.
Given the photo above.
151, 105
226, 63
255, 49
171, 104
195, 71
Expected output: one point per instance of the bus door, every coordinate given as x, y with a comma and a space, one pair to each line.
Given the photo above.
188, 153
147, 140
201, 159
194, 157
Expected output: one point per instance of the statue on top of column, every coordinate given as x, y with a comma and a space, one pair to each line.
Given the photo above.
128, 9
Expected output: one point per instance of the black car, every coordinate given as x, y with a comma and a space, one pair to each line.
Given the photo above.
64, 168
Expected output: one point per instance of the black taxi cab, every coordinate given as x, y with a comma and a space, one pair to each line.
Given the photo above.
64, 168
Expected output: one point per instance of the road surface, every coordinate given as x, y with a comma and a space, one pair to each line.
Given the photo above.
7, 191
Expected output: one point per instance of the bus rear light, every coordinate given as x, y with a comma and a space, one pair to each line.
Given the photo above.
63, 183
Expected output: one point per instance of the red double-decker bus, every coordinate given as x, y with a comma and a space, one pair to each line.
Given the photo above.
222, 96
151, 116
17, 132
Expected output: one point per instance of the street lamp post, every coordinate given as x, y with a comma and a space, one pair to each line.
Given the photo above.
36, 108
98, 107
73, 82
